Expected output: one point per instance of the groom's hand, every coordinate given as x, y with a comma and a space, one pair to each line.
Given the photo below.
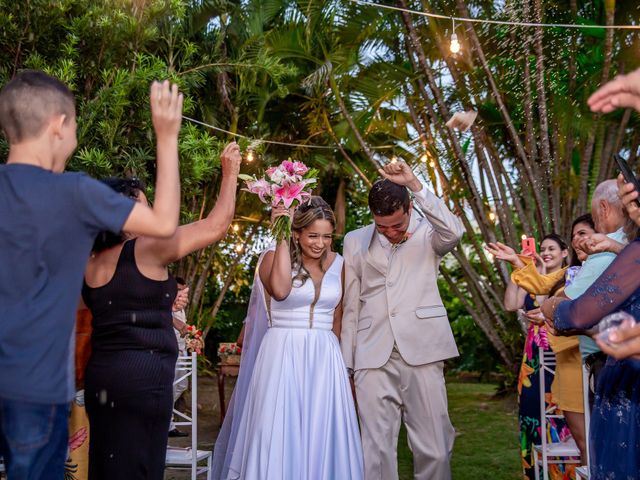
401, 173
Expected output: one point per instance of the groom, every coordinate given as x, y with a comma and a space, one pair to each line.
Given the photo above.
395, 331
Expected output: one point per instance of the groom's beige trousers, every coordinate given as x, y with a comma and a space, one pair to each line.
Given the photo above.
416, 395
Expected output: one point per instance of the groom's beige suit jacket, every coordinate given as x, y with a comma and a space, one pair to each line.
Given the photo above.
396, 299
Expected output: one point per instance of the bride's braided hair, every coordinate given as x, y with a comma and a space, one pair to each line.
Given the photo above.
307, 213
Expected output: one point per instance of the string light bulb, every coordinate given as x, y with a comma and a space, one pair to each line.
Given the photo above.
394, 159
492, 216
523, 237
454, 46
432, 164
235, 227
250, 156
424, 158
239, 248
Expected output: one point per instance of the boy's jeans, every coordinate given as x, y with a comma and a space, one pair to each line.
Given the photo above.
33, 439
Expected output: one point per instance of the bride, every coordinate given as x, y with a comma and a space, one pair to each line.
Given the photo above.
297, 419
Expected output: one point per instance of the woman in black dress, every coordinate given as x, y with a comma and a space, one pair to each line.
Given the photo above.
128, 386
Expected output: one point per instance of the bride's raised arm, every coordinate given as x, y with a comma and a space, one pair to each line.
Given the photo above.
275, 269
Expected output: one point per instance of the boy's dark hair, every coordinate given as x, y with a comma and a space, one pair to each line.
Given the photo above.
129, 187
386, 198
29, 100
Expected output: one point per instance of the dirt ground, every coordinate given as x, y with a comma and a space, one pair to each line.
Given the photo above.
208, 420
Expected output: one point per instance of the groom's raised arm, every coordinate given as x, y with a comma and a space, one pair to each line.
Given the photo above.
447, 227
350, 302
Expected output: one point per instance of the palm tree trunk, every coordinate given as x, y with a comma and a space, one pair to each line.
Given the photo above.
231, 273
545, 149
347, 116
588, 152
511, 129
482, 321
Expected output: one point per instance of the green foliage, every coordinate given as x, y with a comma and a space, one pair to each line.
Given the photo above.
325, 72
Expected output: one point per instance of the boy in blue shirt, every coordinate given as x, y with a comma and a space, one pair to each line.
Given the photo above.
48, 222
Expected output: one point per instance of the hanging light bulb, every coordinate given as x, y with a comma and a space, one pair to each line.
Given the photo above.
239, 248
454, 46
424, 158
250, 156
394, 159
432, 164
492, 216
523, 237
236, 227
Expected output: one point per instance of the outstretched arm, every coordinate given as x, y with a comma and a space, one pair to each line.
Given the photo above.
621, 92
606, 295
513, 295
447, 228
194, 236
162, 219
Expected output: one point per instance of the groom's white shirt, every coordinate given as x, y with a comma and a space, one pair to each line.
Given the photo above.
391, 293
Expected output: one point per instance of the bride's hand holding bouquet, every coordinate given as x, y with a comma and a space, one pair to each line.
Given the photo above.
284, 187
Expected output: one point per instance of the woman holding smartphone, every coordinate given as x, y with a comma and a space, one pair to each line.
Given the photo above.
552, 259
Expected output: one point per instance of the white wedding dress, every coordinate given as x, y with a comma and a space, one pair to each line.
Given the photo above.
299, 421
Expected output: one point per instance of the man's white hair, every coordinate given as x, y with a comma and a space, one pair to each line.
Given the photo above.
608, 191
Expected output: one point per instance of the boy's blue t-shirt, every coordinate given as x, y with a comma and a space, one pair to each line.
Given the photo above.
48, 223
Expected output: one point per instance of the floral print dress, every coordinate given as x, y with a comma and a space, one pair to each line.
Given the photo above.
529, 403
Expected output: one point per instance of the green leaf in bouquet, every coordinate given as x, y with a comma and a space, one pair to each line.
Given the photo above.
312, 173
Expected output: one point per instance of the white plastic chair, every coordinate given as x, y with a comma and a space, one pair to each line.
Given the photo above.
184, 458
582, 473
551, 453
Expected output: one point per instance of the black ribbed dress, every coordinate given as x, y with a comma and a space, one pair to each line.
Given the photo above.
129, 377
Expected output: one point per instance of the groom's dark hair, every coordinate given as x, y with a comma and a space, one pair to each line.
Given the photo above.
386, 198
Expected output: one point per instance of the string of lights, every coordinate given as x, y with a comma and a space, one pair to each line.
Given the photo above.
275, 142
495, 22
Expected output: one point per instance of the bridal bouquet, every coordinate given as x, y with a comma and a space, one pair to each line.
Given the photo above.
285, 184
193, 339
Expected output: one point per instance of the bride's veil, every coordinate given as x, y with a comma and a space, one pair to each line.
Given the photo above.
255, 326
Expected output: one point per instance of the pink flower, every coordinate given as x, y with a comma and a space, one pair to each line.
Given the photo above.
288, 193
277, 175
300, 168
260, 187
294, 168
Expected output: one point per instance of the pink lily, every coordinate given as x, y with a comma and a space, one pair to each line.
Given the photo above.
260, 187
288, 193
300, 168
294, 168
270, 171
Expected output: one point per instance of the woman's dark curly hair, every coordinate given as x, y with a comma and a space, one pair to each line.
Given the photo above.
129, 187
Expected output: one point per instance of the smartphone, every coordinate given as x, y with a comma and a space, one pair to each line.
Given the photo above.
529, 246
628, 175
